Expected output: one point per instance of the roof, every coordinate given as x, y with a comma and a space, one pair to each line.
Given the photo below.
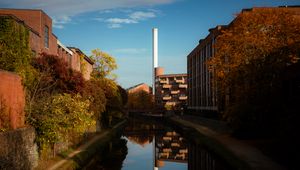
85, 56
137, 86
173, 75
22, 9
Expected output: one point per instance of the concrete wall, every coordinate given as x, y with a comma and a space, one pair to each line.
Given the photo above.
18, 150
12, 98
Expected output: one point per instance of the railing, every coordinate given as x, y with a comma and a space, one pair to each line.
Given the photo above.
182, 97
163, 81
171, 103
166, 86
182, 85
175, 91
179, 81
167, 97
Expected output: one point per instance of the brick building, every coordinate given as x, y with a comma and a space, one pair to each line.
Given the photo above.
140, 87
42, 39
81, 62
202, 95
170, 89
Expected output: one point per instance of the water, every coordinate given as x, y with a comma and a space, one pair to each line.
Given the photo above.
148, 144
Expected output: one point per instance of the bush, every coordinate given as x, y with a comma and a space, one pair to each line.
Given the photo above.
55, 75
57, 116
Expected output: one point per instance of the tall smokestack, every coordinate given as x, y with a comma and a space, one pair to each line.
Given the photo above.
154, 55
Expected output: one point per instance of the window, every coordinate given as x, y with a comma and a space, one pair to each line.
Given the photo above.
46, 36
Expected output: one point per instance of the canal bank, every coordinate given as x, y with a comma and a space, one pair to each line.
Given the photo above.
236, 153
83, 154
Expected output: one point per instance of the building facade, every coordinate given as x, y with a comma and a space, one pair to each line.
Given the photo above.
202, 92
170, 90
42, 39
202, 96
81, 62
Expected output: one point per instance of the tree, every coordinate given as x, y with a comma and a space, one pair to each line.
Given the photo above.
104, 64
140, 100
251, 55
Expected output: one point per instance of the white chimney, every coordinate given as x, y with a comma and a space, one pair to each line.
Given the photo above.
154, 55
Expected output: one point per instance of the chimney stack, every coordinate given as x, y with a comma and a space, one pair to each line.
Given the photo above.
154, 55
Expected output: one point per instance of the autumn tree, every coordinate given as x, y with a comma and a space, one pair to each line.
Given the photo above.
251, 56
140, 100
104, 64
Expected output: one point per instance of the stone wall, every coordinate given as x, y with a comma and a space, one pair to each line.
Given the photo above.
12, 98
18, 150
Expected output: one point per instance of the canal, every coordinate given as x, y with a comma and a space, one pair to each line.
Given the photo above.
153, 144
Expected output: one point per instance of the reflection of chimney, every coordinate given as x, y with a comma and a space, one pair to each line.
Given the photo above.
154, 55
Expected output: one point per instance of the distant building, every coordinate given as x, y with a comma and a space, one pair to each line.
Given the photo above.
140, 87
170, 89
81, 62
42, 39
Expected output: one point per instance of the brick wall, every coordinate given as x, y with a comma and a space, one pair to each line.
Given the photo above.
13, 98
37, 20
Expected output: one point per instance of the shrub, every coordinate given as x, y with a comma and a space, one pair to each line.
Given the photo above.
54, 117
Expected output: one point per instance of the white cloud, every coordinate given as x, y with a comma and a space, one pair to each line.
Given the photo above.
58, 26
74, 7
58, 22
121, 21
140, 15
132, 18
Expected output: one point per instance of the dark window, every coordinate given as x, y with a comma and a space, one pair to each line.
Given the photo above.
46, 36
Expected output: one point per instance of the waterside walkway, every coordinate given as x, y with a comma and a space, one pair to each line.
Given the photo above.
86, 150
216, 136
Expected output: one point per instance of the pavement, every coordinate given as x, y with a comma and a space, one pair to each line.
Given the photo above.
219, 134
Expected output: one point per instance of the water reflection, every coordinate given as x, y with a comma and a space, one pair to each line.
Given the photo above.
159, 147
149, 144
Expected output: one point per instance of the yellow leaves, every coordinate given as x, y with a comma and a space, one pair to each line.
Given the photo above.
104, 63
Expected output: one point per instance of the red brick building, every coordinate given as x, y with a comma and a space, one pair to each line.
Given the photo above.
140, 87
42, 39
170, 89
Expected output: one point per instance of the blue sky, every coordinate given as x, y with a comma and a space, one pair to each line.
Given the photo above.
123, 28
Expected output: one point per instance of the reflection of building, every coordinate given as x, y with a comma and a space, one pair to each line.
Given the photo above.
43, 40
170, 147
201, 158
171, 89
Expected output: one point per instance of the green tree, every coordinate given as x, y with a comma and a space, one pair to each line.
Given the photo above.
104, 64
57, 116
